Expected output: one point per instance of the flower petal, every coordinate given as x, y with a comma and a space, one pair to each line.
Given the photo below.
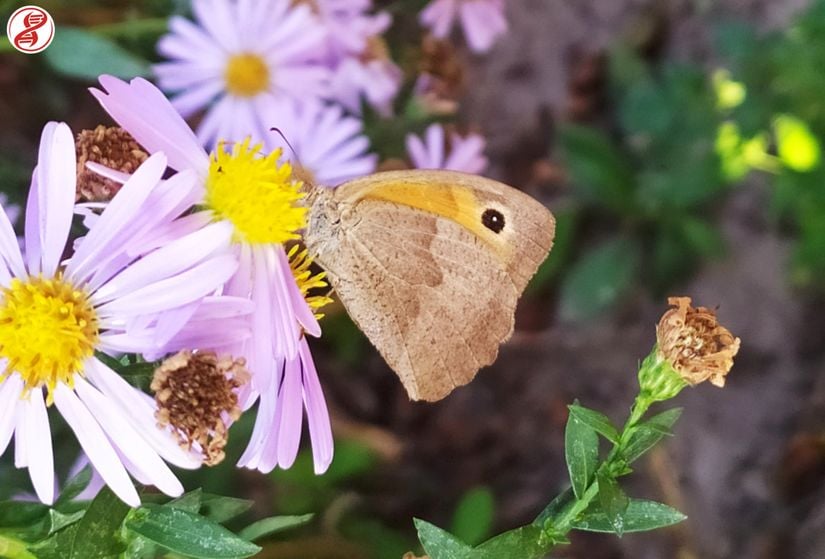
95, 444
38, 446
320, 429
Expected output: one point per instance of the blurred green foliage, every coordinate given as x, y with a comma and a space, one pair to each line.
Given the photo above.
651, 184
782, 74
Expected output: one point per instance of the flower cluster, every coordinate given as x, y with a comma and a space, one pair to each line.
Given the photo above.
190, 245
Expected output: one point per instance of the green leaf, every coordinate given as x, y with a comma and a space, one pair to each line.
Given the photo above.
80, 54
556, 506
581, 449
647, 434
473, 516
440, 544
98, 533
639, 516
14, 514
600, 172
55, 546
613, 503
599, 278
190, 502
58, 521
188, 534
596, 421
74, 486
220, 509
525, 542
272, 525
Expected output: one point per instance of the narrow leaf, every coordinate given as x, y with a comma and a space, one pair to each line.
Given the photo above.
640, 516
526, 542
74, 486
273, 525
440, 544
647, 434
596, 421
98, 532
581, 448
188, 534
613, 503
190, 502
220, 509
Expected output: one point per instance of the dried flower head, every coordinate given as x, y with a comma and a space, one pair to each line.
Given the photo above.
695, 344
110, 146
197, 396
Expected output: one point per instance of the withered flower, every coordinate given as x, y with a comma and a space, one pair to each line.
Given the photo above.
112, 147
196, 395
695, 344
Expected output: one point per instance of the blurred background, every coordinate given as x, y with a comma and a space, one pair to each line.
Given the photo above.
678, 143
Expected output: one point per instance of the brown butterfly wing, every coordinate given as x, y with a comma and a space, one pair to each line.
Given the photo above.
434, 297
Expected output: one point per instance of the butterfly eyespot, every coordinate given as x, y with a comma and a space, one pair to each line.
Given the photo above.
493, 220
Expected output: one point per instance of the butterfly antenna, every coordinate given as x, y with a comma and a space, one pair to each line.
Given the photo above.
292, 149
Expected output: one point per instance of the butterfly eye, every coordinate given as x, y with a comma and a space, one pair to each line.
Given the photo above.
493, 220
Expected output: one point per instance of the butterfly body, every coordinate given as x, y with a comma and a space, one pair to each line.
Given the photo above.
430, 266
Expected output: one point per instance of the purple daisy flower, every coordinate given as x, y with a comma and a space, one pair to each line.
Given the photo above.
330, 147
56, 314
237, 58
482, 21
257, 197
458, 153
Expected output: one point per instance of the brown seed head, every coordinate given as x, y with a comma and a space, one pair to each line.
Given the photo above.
695, 344
112, 147
195, 393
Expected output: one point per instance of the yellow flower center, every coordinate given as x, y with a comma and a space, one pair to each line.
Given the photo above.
246, 75
48, 328
256, 194
299, 263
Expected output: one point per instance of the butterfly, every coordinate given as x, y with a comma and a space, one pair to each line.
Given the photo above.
430, 265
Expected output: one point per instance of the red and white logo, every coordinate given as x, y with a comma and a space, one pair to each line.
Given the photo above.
30, 29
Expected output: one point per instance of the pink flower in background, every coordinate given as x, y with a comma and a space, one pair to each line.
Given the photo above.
55, 315
257, 198
460, 153
375, 80
330, 147
357, 56
239, 57
482, 21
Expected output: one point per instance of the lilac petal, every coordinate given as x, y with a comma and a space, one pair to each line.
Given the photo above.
197, 97
126, 439
10, 392
9, 248
285, 325
268, 458
217, 18
320, 429
172, 322
241, 282
260, 433
140, 412
300, 309
417, 152
435, 145
31, 229
197, 334
95, 444
21, 460
56, 177
188, 286
38, 446
176, 257
121, 210
117, 176
291, 414
264, 324
142, 110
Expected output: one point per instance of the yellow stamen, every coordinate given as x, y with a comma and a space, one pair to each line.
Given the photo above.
246, 75
256, 194
48, 328
300, 262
